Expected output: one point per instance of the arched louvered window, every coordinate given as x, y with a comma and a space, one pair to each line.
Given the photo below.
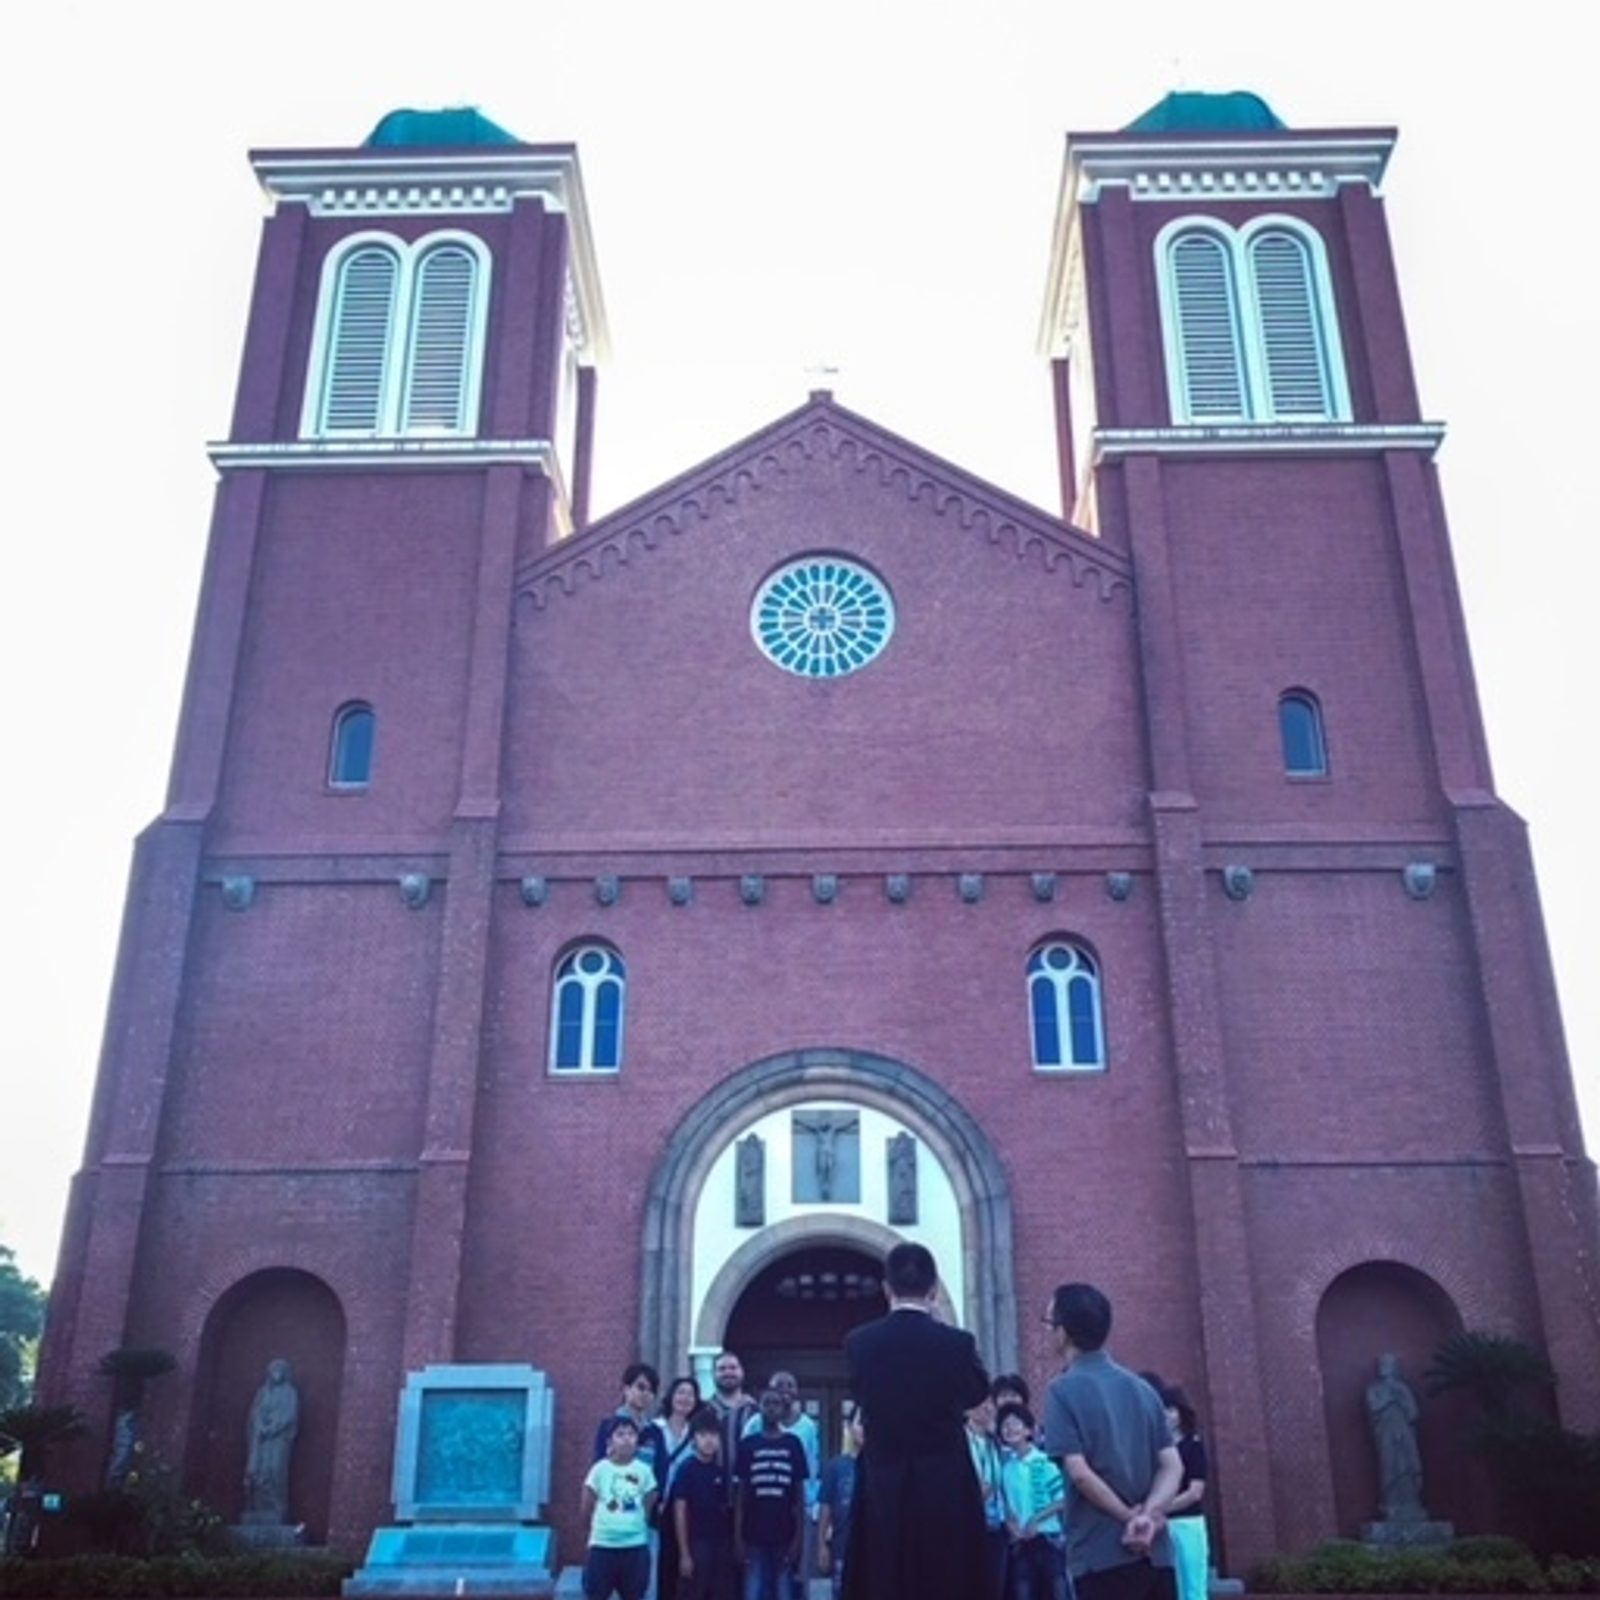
356, 368
1205, 317
586, 1011
1249, 323
1294, 355
1064, 1009
1305, 746
440, 353
399, 339
355, 737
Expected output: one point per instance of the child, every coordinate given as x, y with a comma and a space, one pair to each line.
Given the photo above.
700, 1511
769, 1514
1036, 1496
618, 1496
837, 1495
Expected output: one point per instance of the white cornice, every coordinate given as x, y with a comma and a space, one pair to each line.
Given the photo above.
475, 181
1279, 438
366, 454
1274, 167
1310, 166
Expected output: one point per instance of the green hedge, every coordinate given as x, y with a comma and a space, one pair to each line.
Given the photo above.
274, 1577
1469, 1566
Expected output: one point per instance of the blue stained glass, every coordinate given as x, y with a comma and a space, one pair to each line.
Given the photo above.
608, 1024
1083, 1022
1046, 1023
822, 618
569, 1025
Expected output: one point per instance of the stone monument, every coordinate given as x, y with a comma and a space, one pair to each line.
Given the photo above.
1392, 1415
471, 1480
270, 1432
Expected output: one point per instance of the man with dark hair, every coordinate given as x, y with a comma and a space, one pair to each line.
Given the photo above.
1108, 1428
919, 1523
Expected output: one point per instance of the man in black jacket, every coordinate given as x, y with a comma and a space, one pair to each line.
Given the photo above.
917, 1530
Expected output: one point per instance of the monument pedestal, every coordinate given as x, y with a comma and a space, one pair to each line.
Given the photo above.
1408, 1534
260, 1530
463, 1559
471, 1477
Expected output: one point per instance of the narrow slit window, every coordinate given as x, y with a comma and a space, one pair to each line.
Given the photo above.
355, 736
1305, 746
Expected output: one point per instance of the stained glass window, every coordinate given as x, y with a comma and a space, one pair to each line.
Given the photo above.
822, 617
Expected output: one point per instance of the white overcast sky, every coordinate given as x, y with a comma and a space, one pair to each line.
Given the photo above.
868, 186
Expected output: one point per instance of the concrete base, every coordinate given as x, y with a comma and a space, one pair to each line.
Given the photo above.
1407, 1535
458, 1559
248, 1535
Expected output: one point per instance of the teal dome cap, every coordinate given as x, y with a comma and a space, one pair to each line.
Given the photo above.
1185, 111
457, 125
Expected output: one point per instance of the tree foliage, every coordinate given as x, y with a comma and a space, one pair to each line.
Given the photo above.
21, 1318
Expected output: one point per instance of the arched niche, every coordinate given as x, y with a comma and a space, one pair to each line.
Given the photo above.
668, 1326
1386, 1308
280, 1313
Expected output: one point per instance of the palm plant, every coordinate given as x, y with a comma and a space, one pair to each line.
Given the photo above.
34, 1430
1491, 1368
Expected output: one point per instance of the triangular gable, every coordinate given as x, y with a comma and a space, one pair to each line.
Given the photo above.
821, 427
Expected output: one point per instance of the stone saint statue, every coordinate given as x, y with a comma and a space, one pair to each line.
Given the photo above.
269, 1440
902, 1181
750, 1183
1392, 1411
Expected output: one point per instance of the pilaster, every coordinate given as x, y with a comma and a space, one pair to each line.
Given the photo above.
1555, 1180
439, 1224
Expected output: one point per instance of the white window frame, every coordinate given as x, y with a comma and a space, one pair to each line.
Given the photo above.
409, 254
1252, 352
590, 984
1087, 966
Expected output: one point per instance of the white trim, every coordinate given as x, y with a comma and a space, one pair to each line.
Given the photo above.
1252, 438
589, 984
1244, 168
483, 180
1178, 396
404, 453
1283, 165
475, 353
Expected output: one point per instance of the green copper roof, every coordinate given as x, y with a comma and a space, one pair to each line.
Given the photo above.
458, 125
1187, 112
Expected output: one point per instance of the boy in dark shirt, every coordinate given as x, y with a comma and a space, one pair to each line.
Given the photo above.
700, 1511
770, 1508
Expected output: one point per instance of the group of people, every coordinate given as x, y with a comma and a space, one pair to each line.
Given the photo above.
947, 1487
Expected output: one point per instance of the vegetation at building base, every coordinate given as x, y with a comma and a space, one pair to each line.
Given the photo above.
1469, 1566
21, 1318
192, 1577
1546, 1478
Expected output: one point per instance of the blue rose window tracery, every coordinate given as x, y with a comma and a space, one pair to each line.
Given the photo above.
822, 617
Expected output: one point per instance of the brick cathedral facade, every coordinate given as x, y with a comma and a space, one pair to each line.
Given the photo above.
568, 939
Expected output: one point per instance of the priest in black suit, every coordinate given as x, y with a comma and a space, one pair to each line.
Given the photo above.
917, 1528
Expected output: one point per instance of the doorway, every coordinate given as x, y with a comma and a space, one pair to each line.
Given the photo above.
794, 1315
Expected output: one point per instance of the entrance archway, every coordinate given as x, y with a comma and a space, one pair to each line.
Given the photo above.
977, 1186
794, 1316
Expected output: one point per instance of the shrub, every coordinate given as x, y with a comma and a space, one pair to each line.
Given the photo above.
278, 1576
1477, 1566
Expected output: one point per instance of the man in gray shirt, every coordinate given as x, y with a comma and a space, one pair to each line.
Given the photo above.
1107, 1426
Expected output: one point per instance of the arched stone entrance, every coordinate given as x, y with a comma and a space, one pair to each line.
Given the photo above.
671, 1321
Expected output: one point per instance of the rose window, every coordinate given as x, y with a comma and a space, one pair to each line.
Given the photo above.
822, 617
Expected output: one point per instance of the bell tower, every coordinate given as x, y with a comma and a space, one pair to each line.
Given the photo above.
1237, 411
413, 421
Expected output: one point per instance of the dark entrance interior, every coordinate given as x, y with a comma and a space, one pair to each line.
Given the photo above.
793, 1316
